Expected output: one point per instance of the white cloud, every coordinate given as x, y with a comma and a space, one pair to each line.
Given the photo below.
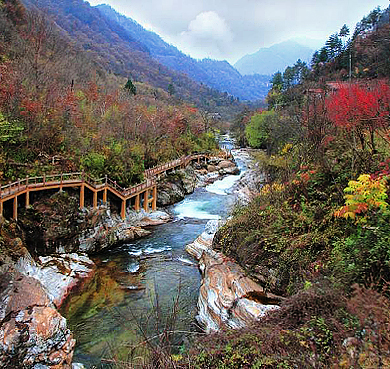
207, 35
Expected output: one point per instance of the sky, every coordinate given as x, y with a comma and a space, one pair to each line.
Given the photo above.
229, 29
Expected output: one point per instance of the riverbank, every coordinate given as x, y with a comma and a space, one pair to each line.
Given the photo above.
227, 297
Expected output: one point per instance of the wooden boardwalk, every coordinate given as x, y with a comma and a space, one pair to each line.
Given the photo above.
144, 194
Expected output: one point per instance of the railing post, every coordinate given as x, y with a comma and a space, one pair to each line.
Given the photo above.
82, 189
61, 181
27, 182
44, 180
27, 198
18, 184
105, 195
15, 208
154, 203
146, 201
136, 205
123, 210
95, 198
1, 209
106, 179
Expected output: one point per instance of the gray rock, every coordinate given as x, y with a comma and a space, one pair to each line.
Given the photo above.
173, 187
32, 334
36, 337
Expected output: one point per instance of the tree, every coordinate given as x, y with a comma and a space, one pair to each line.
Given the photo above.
344, 31
361, 111
261, 130
8, 131
129, 86
334, 45
368, 23
277, 81
171, 89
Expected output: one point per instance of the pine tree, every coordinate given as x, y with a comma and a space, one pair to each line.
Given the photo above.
130, 87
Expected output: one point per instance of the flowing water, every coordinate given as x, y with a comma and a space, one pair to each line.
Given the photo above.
135, 286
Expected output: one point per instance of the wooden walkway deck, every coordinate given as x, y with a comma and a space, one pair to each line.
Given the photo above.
144, 194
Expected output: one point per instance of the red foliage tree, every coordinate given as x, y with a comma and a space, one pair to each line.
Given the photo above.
361, 110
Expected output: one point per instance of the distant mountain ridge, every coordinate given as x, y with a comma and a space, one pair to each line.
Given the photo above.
272, 59
217, 74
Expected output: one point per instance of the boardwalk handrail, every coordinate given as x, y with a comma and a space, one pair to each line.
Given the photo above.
81, 177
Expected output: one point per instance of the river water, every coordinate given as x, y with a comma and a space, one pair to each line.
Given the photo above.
135, 286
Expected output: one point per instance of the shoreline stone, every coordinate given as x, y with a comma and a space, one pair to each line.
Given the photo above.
32, 332
227, 297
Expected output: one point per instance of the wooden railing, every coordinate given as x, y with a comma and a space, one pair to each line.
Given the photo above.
70, 178
12, 190
183, 161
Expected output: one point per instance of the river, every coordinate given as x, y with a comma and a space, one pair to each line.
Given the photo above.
136, 284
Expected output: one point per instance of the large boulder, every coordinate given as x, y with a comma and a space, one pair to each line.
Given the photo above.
173, 187
223, 164
32, 333
227, 297
36, 337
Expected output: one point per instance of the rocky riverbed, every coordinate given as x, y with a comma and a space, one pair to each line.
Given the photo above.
47, 253
227, 297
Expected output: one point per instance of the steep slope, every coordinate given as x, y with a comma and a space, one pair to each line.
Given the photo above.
217, 74
114, 49
275, 58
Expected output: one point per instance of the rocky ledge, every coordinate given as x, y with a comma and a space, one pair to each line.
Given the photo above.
227, 297
32, 333
57, 226
250, 183
174, 186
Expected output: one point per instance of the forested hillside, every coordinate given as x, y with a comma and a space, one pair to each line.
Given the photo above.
217, 74
61, 110
116, 51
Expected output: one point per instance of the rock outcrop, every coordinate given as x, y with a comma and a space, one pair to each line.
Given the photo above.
57, 226
58, 274
32, 333
173, 187
251, 181
105, 230
227, 297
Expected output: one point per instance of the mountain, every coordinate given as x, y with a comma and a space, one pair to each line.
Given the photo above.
275, 58
216, 74
115, 51
124, 47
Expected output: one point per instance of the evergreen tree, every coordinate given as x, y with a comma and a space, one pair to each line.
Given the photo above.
171, 89
129, 86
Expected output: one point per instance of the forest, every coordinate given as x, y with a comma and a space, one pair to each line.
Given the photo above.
61, 110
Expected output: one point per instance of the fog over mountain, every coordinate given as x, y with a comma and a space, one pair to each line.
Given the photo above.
269, 60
